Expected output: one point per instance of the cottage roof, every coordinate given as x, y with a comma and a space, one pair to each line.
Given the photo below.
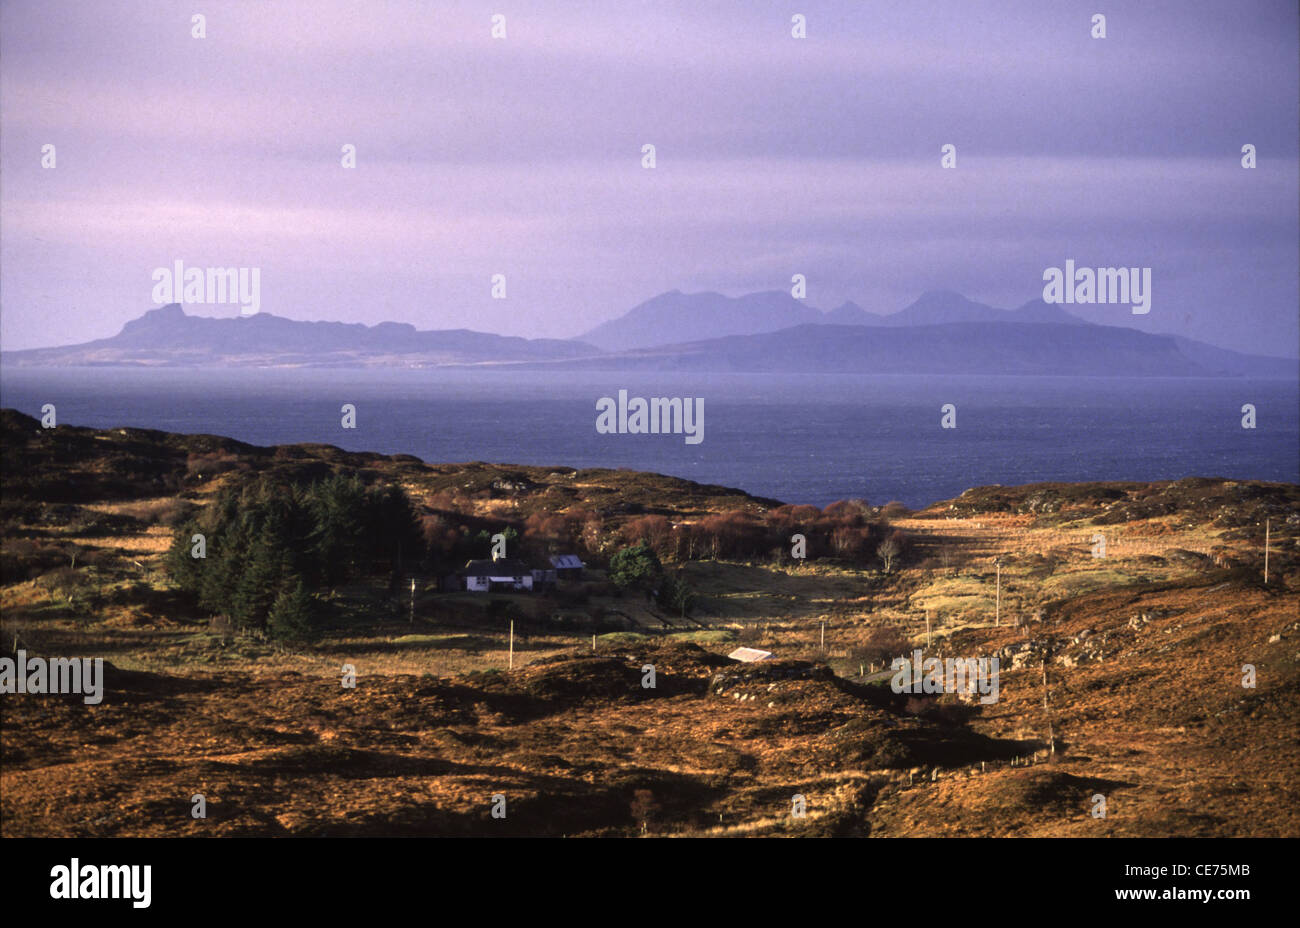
566, 561
505, 567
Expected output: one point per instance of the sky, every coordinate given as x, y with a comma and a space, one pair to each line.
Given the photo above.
522, 156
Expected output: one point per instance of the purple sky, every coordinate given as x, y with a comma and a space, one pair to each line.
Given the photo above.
522, 156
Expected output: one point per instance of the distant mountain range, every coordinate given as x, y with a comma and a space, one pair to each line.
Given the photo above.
941, 333
951, 348
676, 317
168, 336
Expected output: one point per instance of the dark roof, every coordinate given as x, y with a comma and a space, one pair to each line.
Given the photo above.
566, 562
505, 567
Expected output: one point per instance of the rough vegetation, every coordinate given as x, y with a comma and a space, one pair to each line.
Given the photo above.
1121, 672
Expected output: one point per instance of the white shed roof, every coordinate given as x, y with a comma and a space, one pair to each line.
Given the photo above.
749, 654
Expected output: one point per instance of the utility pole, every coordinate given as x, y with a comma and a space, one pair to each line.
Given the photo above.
412, 601
1047, 709
823, 637
512, 644
1266, 526
997, 609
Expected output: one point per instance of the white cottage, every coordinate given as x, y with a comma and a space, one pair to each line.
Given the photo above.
507, 573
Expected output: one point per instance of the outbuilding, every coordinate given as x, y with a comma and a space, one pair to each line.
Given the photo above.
567, 566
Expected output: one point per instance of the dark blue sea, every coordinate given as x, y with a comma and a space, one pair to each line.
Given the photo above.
798, 438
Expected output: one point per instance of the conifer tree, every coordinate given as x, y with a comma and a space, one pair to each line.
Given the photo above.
637, 567
293, 616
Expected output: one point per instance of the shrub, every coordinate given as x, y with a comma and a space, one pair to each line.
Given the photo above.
637, 567
26, 558
676, 595
895, 510
169, 512
211, 463
643, 808
652, 530
885, 643
65, 582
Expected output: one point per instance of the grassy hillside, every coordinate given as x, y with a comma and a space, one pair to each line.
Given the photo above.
1120, 675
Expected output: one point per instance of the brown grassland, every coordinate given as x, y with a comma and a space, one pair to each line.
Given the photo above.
1121, 676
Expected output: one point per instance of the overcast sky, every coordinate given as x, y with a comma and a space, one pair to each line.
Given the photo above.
522, 156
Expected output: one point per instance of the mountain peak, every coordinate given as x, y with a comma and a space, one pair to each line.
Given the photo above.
943, 296
850, 313
936, 307
675, 317
167, 315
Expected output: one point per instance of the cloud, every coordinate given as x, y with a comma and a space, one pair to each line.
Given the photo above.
478, 156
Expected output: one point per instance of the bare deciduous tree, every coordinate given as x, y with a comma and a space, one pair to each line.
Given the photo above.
888, 550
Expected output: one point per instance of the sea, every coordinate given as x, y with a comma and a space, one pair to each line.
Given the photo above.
798, 438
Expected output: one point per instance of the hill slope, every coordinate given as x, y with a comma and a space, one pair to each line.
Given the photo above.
1042, 348
941, 333
675, 316
1141, 652
168, 336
